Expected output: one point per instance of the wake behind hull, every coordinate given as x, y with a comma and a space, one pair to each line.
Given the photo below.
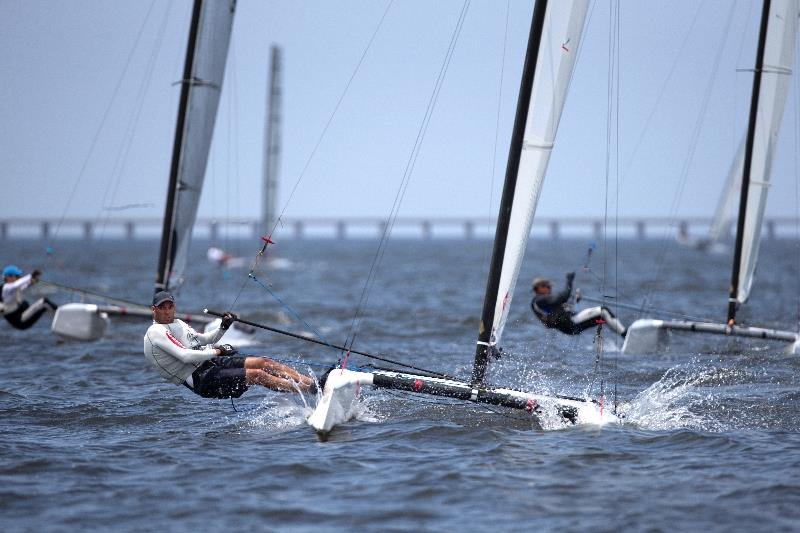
342, 389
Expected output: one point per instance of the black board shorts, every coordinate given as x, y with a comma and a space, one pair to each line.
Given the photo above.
221, 377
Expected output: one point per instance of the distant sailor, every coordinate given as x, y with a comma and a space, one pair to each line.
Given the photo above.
554, 312
16, 310
188, 358
218, 256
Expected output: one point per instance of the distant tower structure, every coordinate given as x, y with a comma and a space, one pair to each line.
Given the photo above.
272, 145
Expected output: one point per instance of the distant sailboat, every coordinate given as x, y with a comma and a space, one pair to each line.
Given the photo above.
201, 85
773, 69
720, 228
552, 48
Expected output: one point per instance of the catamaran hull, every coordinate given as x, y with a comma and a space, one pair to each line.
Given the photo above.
649, 336
340, 395
81, 322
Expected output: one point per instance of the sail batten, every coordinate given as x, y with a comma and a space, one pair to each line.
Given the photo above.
204, 71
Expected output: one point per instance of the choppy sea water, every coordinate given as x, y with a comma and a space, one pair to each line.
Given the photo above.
92, 439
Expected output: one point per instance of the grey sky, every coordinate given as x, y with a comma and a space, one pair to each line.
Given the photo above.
63, 60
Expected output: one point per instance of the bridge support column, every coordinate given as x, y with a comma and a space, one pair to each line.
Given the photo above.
426, 230
469, 229
555, 230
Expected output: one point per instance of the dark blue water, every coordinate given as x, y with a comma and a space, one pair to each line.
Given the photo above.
92, 439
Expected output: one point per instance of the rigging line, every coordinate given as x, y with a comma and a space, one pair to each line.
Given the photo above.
662, 91
85, 292
684, 174
290, 309
126, 143
486, 256
382, 245
103, 120
279, 218
609, 134
620, 303
796, 181
616, 184
334, 346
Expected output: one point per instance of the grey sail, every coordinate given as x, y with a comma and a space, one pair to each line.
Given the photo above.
204, 70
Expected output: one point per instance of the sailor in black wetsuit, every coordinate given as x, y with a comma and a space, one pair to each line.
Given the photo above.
554, 312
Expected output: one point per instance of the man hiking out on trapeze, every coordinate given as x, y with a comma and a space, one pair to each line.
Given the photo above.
16, 310
554, 312
186, 357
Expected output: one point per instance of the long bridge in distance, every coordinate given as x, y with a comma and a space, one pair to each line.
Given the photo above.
371, 227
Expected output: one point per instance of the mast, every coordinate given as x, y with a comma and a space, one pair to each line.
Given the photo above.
201, 85
272, 139
484, 346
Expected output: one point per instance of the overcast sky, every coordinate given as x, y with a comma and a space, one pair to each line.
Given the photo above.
85, 133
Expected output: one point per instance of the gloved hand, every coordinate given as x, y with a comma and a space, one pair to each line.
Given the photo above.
227, 320
36, 273
570, 277
226, 349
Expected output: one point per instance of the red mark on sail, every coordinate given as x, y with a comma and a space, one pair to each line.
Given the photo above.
564, 46
267, 240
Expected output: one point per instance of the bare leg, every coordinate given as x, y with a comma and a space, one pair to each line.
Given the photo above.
279, 371
256, 376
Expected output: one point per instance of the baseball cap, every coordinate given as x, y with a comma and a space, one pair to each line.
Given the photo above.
161, 297
12, 270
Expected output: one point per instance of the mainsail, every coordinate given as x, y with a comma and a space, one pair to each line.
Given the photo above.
204, 70
771, 84
549, 64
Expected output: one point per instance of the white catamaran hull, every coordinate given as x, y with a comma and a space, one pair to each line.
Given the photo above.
81, 322
650, 336
343, 387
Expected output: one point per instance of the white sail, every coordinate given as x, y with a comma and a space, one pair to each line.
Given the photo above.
558, 51
779, 54
205, 80
724, 213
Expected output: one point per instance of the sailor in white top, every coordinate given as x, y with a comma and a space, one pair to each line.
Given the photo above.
184, 356
16, 310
